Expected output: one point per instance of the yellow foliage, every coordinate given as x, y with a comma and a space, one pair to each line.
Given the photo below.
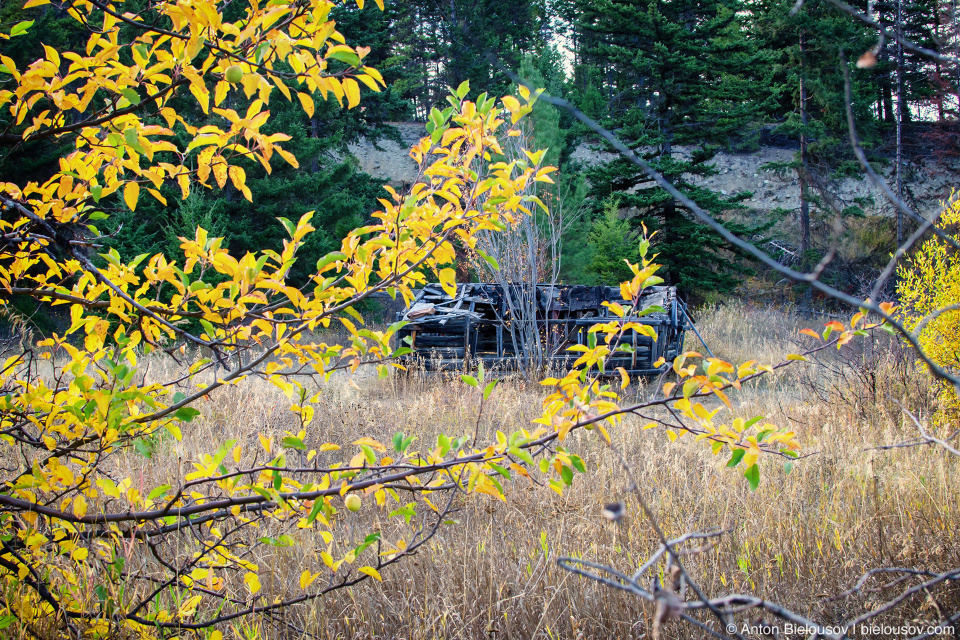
928, 281
73, 524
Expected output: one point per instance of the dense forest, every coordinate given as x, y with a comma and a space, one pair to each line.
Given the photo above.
677, 81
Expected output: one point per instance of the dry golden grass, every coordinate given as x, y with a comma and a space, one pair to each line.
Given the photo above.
801, 536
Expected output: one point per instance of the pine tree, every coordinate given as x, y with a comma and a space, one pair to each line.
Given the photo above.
801, 66
612, 242
675, 80
446, 43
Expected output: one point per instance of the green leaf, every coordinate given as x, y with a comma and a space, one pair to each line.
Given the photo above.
407, 511
753, 476
186, 414
294, 443
353, 313
133, 98
347, 57
145, 447
489, 388
289, 226
396, 326
18, 30
317, 506
566, 474
368, 454
208, 328
470, 380
500, 470
522, 454
736, 457
578, 463
159, 491
488, 258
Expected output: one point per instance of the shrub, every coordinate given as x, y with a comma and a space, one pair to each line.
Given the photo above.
929, 291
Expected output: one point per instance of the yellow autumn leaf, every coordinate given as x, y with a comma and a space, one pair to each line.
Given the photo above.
131, 193
370, 571
370, 442
307, 578
79, 506
221, 92
239, 179
448, 278
511, 103
265, 442
307, 103
352, 91
219, 167
369, 81
202, 95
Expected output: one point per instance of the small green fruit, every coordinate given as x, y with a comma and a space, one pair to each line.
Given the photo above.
352, 502
234, 74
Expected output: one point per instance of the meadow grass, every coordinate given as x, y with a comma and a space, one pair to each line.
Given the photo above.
807, 533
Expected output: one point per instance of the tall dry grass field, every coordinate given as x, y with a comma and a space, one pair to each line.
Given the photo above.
802, 537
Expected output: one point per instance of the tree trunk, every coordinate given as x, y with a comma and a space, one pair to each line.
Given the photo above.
887, 100
900, 96
314, 133
802, 173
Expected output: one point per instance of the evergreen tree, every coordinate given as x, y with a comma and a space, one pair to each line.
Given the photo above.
802, 67
612, 243
673, 76
447, 43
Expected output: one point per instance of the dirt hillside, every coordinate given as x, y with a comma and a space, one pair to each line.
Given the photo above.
928, 182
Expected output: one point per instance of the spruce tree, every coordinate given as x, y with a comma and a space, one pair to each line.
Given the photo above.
675, 78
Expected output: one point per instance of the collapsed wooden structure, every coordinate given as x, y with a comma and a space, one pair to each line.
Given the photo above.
479, 324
